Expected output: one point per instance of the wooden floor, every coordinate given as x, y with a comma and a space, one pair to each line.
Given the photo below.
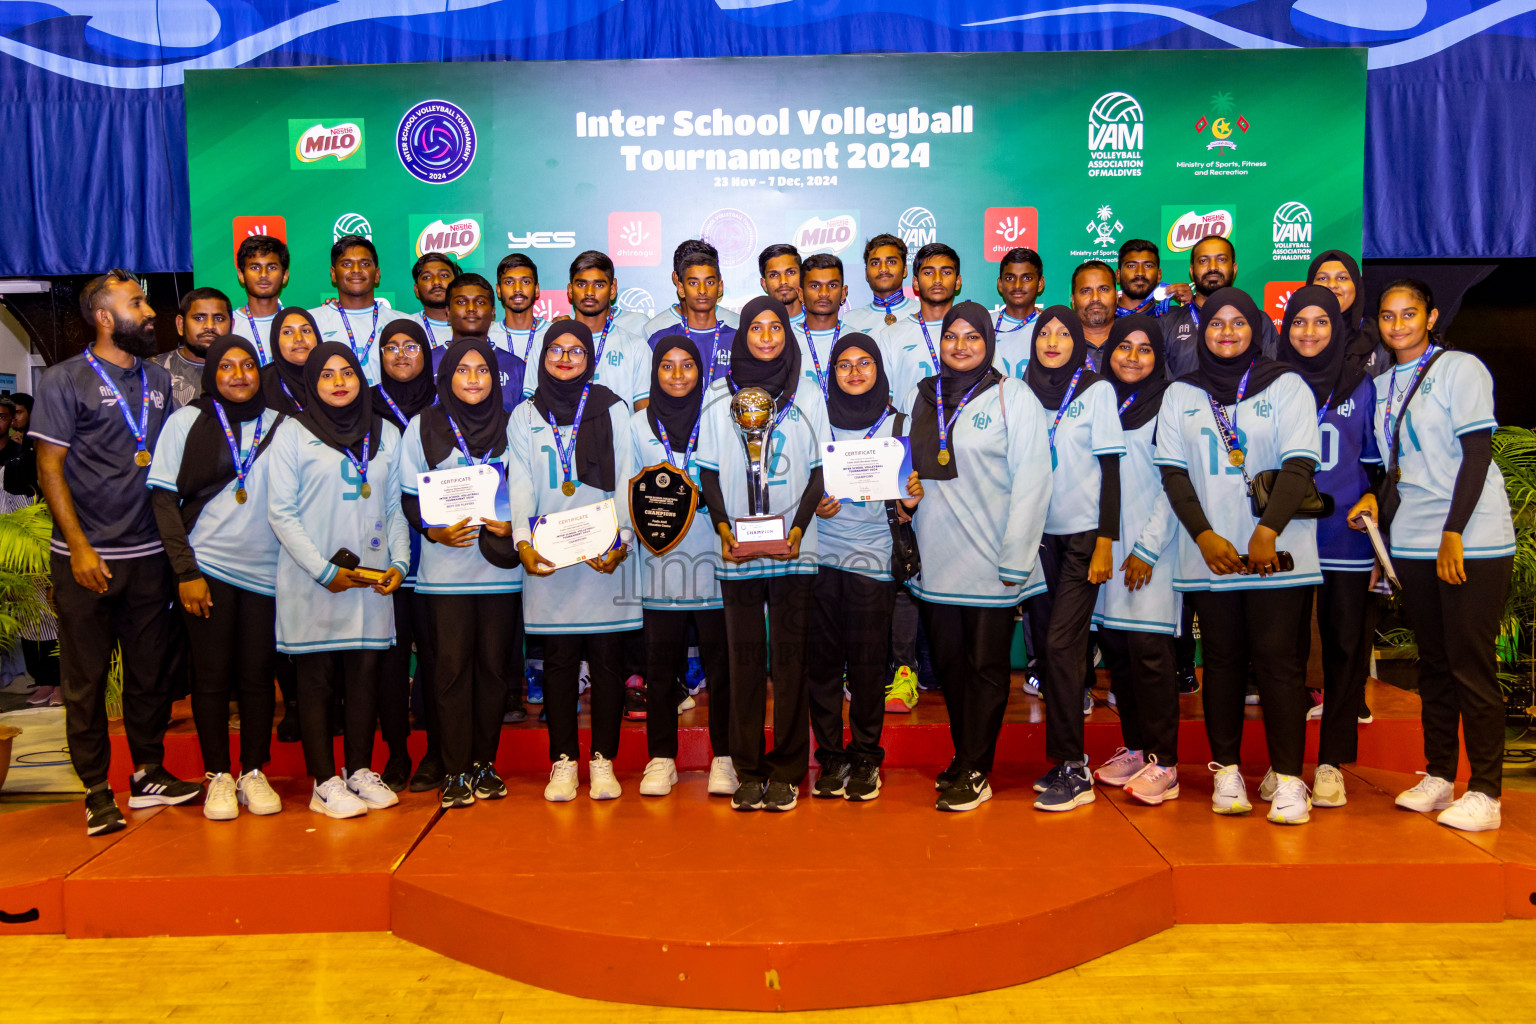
1191, 974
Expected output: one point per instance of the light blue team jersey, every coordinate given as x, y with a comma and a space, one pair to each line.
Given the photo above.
631, 320
578, 598
684, 578
816, 350
1278, 423
1015, 343
794, 453
1455, 398
439, 332
232, 541
1090, 427
979, 533
909, 356
623, 366
858, 538
870, 318
316, 506
672, 315
526, 345
1150, 531
255, 329
366, 325
443, 569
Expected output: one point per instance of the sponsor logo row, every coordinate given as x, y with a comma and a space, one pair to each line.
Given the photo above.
435, 142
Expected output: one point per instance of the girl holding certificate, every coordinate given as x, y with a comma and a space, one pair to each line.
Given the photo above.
1138, 610
474, 608
764, 355
333, 496
681, 584
979, 444
1081, 526
1236, 416
1453, 545
293, 338
1313, 339
568, 450
854, 592
210, 498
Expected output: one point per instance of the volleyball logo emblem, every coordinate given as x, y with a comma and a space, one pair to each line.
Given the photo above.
1115, 122
351, 224
917, 227
436, 141
1292, 232
637, 300
733, 234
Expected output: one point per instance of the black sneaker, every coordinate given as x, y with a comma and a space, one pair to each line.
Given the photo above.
457, 791
1188, 683
397, 773
159, 788
488, 785
969, 792
864, 784
781, 796
288, 728
833, 778
429, 775
947, 777
102, 814
749, 795
634, 703
515, 714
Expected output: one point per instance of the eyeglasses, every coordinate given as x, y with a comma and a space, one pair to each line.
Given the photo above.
846, 366
575, 353
410, 348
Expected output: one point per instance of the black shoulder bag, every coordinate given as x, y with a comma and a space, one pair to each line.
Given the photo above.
1387, 497
906, 561
1314, 504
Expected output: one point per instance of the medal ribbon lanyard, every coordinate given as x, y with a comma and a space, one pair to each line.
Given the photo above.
361, 467
946, 424
140, 431
884, 413
528, 348
458, 436
1228, 427
395, 408
568, 455
890, 305
693, 439
346, 321
1418, 369
242, 466
1127, 403
261, 350
810, 343
933, 352
998, 326
1065, 403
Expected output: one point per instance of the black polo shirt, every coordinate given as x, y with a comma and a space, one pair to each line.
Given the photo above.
76, 409
1181, 338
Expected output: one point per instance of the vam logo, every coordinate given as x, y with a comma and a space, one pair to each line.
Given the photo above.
1291, 232
1116, 136
457, 238
316, 144
917, 226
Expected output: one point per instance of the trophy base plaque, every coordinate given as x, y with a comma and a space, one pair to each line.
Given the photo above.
761, 535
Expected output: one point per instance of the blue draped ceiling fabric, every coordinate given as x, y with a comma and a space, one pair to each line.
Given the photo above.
91, 98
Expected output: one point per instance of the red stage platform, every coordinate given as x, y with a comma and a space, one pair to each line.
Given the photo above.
680, 901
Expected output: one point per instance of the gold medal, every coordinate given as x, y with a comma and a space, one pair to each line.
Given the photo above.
890, 318
943, 456
1397, 474
367, 491
239, 495
1235, 456
141, 458
567, 488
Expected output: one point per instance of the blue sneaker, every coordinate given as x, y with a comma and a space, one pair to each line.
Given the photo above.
1045, 781
1072, 787
695, 675
534, 676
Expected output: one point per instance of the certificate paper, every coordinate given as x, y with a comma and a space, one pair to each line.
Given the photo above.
867, 470
449, 496
577, 534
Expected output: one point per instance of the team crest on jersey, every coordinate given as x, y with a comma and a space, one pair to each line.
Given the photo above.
794, 414
1427, 384
1347, 408
614, 358
1263, 407
981, 421
1074, 410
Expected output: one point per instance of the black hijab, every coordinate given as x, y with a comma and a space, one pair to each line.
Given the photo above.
678, 415
206, 463
414, 395
1358, 344
955, 384
1050, 385
341, 428
779, 376
857, 412
593, 460
280, 373
1219, 376
1332, 376
484, 424
1149, 390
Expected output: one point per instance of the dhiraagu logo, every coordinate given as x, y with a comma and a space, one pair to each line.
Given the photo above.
326, 144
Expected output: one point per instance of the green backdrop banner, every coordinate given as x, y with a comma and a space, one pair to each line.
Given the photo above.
1067, 153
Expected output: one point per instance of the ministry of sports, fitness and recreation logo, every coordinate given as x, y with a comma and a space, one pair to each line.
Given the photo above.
436, 141
1116, 136
634, 238
1292, 232
1186, 227
321, 145
458, 235
1222, 123
733, 234
637, 300
917, 227
823, 230
351, 224
1102, 228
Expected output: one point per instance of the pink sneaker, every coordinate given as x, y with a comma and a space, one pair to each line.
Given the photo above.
1121, 768
1154, 783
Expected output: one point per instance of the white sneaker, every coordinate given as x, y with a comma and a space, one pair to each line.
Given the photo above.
601, 784
257, 793
687, 704
333, 799
370, 789
722, 777
1472, 812
1231, 793
1431, 793
562, 781
220, 803
1328, 787
1290, 805
1267, 785
1314, 713
659, 778
583, 679
1121, 767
